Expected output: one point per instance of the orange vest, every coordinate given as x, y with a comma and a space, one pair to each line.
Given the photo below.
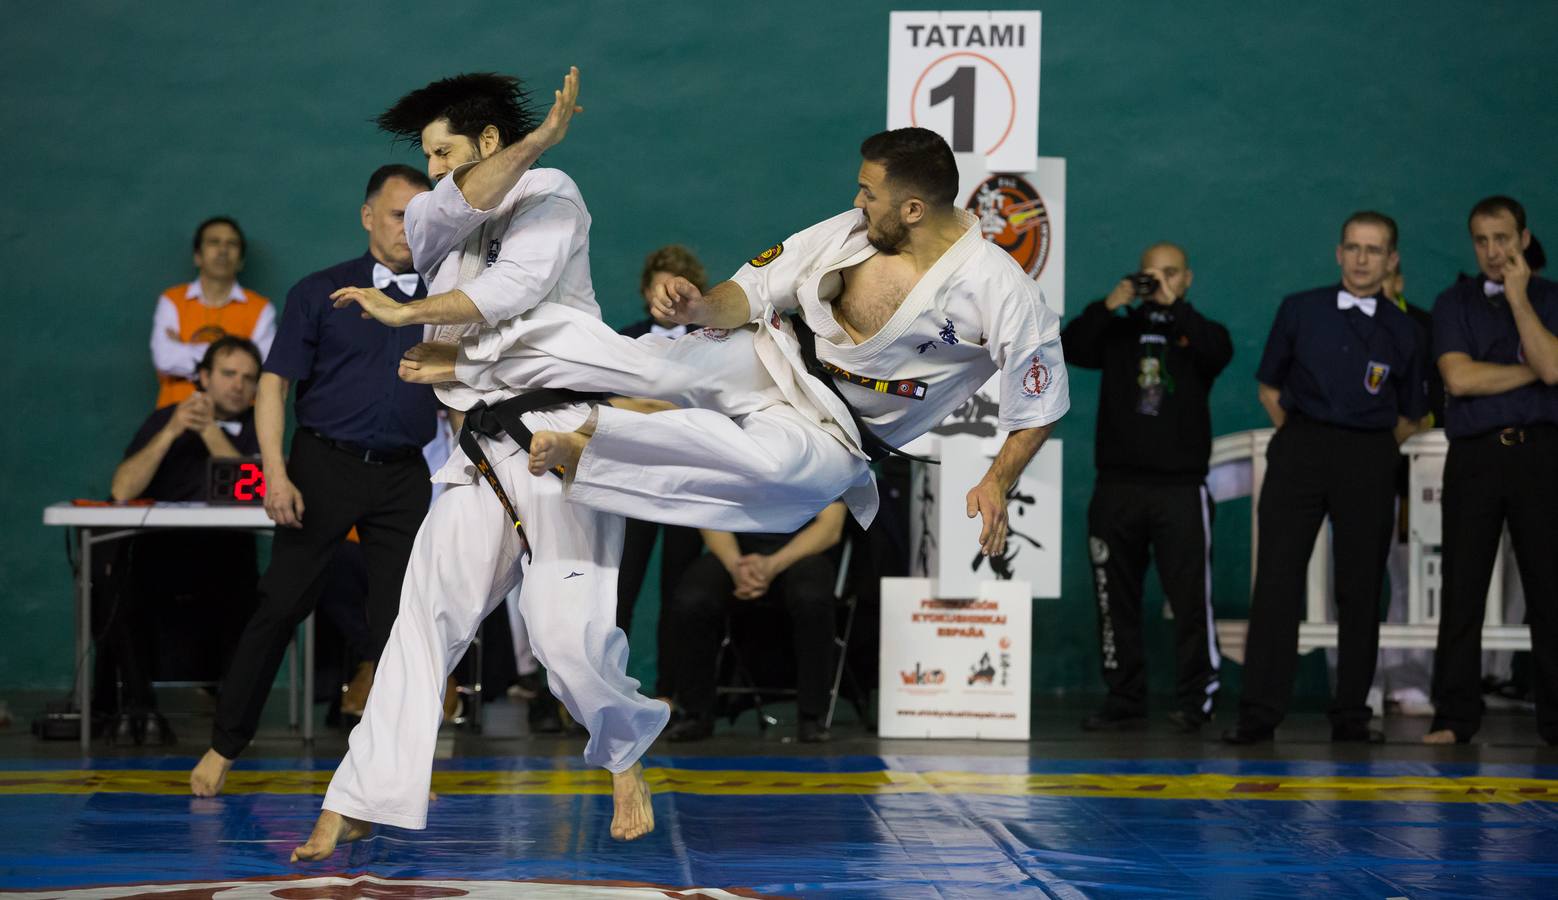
202, 324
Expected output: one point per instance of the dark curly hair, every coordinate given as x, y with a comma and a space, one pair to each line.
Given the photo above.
470, 102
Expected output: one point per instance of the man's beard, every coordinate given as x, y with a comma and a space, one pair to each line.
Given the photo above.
891, 238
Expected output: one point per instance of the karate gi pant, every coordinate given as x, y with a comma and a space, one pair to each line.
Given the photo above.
465, 559
741, 460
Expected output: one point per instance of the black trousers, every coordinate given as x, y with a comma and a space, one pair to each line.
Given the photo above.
1313, 470
1486, 484
680, 547
1174, 523
705, 596
386, 502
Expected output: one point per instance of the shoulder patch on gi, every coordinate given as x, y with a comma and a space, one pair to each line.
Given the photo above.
1037, 379
767, 256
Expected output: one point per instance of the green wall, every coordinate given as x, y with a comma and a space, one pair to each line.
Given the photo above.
1245, 131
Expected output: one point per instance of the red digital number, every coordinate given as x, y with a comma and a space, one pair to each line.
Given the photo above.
252, 485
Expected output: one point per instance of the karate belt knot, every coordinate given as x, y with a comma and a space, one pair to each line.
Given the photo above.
504, 418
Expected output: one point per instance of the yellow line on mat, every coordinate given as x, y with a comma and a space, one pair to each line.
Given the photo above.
740, 782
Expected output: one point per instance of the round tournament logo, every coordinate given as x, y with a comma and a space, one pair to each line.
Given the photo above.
1012, 216
1036, 379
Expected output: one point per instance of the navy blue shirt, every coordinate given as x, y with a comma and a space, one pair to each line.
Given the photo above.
1343, 366
1468, 321
344, 365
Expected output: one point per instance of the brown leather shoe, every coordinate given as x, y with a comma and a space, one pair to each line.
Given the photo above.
354, 698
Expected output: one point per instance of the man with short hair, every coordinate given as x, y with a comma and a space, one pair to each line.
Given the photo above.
1494, 339
356, 460
497, 241
1159, 359
190, 316
1343, 379
200, 582
902, 311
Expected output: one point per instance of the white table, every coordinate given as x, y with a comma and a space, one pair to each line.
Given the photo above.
101, 524
1238, 468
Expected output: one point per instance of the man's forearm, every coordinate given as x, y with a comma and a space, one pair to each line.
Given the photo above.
217, 443
451, 308
1541, 348
135, 473
1271, 402
817, 538
270, 422
1466, 377
1016, 452
485, 184
723, 545
727, 306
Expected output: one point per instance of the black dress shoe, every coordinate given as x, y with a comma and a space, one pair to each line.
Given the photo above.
1356, 734
124, 733
1188, 721
155, 730
812, 731
1110, 720
1244, 735
692, 728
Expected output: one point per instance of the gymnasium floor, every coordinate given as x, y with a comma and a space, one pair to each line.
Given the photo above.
752, 815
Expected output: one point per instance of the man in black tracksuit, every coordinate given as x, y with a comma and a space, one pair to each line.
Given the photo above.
1154, 437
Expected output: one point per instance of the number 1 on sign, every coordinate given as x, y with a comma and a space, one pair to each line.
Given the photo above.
960, 88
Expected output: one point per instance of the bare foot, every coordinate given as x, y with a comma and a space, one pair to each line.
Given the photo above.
331, 829
633, 815
556, 450
1442, 736
208, 776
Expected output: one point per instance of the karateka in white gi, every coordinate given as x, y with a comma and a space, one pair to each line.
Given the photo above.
912, 310
495, 241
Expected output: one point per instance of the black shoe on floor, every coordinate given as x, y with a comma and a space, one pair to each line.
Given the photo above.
1188, 721
155, 730
1111, 720
123, 732
1357, 733
691, 728
1245, 735
812, 731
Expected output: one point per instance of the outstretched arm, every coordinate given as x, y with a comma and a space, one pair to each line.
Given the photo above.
489, 181
988, 498
679, 300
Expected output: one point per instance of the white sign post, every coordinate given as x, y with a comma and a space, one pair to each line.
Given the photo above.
955, 668
973, 78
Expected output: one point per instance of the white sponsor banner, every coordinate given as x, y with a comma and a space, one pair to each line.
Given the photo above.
972, 77
955, 668
944, 541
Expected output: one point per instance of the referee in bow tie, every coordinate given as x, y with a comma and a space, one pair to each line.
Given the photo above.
356, 459
1343, 379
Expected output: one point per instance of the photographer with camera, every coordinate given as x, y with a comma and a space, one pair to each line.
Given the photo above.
1159, 357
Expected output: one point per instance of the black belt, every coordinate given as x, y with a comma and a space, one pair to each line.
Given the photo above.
367, 454
876, 448
1517, 434
504, 418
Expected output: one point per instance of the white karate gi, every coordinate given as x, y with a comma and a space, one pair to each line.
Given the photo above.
972, 314
531, 252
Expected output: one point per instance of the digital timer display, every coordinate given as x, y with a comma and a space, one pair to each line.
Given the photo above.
238, 480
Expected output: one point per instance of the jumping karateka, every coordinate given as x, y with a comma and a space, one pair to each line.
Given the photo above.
903, 311
495, 240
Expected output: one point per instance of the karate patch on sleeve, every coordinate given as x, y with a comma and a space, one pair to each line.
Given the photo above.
766, 257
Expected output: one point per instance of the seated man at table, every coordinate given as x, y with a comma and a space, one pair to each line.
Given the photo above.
179, 598
793, 572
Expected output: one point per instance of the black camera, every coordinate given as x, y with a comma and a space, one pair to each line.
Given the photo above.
1145, 284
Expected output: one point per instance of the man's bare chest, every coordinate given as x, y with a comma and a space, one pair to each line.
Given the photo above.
872, 293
